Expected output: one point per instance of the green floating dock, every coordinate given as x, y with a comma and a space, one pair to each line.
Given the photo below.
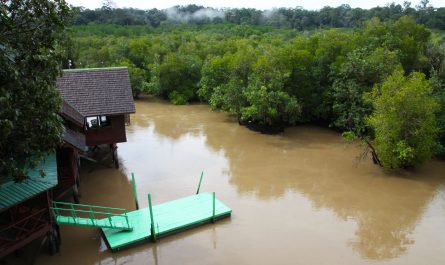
170, 217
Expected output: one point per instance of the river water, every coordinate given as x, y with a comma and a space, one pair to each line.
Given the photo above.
301, 197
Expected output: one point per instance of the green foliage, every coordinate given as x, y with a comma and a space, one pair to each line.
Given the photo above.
138, 77
177, 98
154, 86
215, 72
403, 36
360, 71
300, 80
438, 87
231, 72
229, 97
180, 73
30, 61
269, 76
267, 106
267, 103
404, 122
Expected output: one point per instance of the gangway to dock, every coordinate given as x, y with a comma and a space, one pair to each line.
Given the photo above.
90, 215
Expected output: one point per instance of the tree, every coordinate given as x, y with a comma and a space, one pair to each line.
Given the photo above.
233, 71
214, 72
404, 123
30, 62
267, 101
438, 87
357, 75
403, 36
270, 106
179, 75
138, 78
154, 86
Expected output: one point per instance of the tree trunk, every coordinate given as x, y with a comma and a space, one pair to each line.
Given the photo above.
375, 157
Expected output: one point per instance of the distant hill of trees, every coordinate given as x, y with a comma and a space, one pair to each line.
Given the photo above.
297, 18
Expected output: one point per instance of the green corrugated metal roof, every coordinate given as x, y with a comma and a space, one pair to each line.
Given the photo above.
12, 193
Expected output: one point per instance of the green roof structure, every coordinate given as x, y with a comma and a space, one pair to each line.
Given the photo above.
12, 193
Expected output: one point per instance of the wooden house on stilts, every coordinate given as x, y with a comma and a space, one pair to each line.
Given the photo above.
104, 98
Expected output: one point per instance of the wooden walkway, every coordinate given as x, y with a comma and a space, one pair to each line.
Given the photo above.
170, 217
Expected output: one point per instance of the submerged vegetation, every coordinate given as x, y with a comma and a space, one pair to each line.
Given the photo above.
381, 82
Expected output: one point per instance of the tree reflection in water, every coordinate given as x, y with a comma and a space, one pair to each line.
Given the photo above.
314, 162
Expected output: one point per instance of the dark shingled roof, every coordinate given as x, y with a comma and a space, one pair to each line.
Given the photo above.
76, 139
97, 91
70, 113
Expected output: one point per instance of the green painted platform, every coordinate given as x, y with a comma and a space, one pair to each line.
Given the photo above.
170, 217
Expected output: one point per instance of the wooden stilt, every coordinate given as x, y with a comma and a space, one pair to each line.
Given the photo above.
39, 250
76, 195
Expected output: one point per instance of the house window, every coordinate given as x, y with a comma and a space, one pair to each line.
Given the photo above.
98, 121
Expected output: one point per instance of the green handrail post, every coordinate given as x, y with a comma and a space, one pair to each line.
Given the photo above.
152, 225
55, 209
109, 217
91, 214
200, 180
73, 214
213, 214
134, 191
126, 219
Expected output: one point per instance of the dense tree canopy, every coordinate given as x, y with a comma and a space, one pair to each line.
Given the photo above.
273, 77
342, 16
30, 60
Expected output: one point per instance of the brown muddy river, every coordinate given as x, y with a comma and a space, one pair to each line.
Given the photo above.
297, 198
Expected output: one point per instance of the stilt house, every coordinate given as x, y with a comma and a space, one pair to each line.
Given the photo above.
104, 97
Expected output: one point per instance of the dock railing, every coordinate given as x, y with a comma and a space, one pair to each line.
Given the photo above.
117, 217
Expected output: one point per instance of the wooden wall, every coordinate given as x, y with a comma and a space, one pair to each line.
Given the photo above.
67, 170
115, 133
25, 222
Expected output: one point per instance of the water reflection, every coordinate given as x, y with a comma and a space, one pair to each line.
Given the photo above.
176, 121
318, 164
385, 207
297, 198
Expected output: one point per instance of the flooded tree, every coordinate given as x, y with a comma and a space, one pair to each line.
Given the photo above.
403, 122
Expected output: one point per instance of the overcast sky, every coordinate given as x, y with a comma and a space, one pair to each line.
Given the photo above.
258, 4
